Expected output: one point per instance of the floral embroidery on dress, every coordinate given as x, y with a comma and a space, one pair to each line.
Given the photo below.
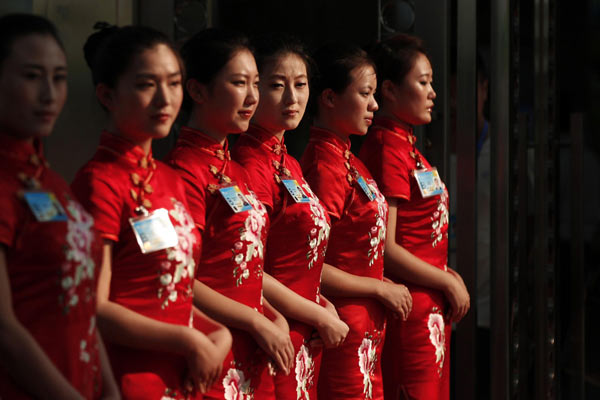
320, 233
237, 387
439, 218
172, 394
367, 360
378, 231
79, 265
251, 243
305, 370
437, 336
181, 255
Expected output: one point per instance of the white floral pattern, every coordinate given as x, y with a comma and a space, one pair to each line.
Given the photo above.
439, 218
320, 233
367, 357
79, 265
180, 256
251, 243
437, 337
236, 386
305, 370
378, 231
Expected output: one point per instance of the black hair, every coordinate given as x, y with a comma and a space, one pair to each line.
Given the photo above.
109, 51
396, 56
14, 26
335, 62
205, 53
271, 46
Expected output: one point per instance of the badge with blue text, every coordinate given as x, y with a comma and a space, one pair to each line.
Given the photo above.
45, 206
295, 190
235, 198
365, 188
154, 231
429, 182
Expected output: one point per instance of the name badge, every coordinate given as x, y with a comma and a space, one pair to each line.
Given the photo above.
235, 198
154, 231
45, 206
365, 188
429, 182
295, 190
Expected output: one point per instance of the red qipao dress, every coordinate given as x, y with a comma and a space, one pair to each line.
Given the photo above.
358, 215
52, 267
114, 185
232, 257
296, 243
416, 360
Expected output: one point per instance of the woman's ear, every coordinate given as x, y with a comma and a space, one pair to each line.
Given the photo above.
388, 90
105, 95
328, 98
197, 91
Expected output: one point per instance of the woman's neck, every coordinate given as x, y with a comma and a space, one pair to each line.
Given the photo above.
385, 113
196, 123
329, 125
141, 140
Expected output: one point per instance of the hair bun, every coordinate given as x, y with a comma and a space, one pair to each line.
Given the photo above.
95, 40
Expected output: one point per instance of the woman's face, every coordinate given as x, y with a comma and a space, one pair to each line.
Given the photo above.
413, 97
33, 86
232, 96
147, 97
354, 107
283, 94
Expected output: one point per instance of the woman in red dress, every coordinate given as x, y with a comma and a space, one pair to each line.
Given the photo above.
416, 356
151, 247
299, 229
353, 273
49, 258
223, 94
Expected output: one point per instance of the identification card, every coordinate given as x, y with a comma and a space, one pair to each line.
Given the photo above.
154, 231
235, 198
295, 191
45, 206
365, 188
429, 182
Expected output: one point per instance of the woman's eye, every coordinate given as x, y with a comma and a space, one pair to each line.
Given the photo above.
301, 84
175, 83
277, 85
144, 85
60, 78
31, 75
239, 83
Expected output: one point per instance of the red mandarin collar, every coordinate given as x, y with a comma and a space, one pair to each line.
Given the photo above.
267, 139
403, 130
324, 135
206, 143
23, 151
127, 150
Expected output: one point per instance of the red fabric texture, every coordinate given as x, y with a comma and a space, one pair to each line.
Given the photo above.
296, 244
356, 244
52, 269
232, 259
416, 356
119, 178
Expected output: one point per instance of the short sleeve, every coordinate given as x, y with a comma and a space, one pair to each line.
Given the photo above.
389, 168
195, 193
329, 186
101, 199
261, 182
9, 217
